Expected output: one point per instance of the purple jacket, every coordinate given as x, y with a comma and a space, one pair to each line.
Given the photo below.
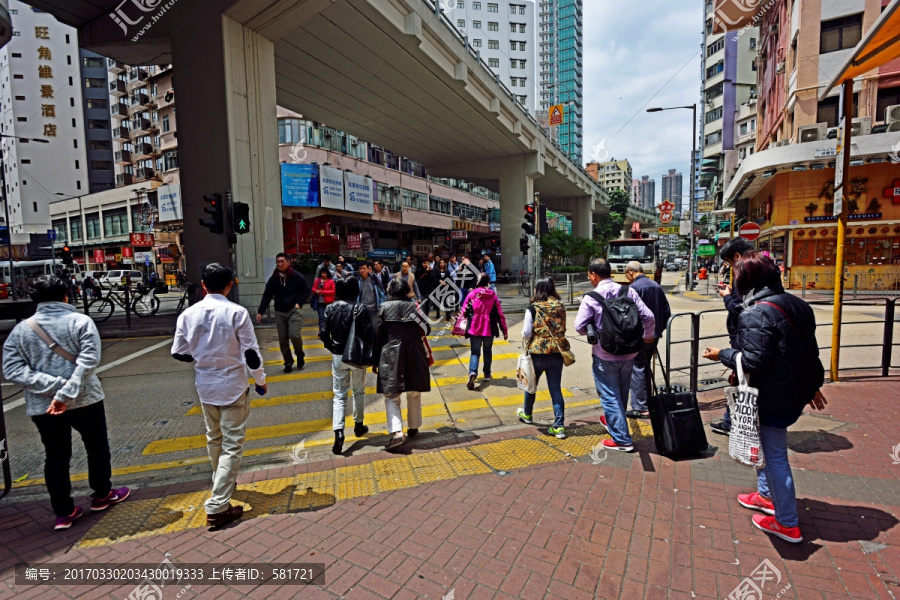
591, 310
483, 300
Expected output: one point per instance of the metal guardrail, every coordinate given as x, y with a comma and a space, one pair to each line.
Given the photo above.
693, 369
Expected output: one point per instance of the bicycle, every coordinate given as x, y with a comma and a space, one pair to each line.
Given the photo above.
524, 287
144, 304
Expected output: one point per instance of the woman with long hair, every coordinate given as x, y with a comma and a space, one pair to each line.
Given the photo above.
485, 324
401, 362
544, 336
776, 341
324, 289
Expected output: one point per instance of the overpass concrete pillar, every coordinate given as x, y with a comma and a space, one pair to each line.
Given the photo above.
228, 141
583, 217
516, 174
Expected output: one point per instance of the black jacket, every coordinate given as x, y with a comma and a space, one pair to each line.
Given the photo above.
288, 291
779, 354
733, 304
336, 326
399, 349
652, 294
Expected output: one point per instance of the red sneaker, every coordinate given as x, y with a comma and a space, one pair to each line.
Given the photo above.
611, 445
773, 527
115, 496
66, 522
756, 502
603, 421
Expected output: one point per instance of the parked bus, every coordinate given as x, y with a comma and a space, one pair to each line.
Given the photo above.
643, 250
28, 270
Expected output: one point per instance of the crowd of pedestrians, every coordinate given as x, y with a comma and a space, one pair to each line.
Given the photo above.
370, 318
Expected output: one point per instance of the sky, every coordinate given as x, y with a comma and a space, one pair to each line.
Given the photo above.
631, 50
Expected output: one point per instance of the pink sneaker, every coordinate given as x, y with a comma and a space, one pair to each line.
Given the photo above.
611, 445
66, 522
773, 527
756, 502
115, 496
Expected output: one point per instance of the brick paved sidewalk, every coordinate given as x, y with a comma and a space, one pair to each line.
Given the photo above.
521, 515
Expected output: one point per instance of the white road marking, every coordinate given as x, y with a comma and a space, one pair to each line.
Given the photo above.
115, 363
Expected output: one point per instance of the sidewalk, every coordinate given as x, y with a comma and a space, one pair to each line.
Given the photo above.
518, 514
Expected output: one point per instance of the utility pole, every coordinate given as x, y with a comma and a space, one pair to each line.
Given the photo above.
537, 239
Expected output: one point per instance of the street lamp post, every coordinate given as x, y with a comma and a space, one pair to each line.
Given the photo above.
692, 107
12, 268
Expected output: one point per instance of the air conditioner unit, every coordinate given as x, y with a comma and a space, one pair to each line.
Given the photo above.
892, 114
812, 133
894, 127
780, 68
781, 143
861, 126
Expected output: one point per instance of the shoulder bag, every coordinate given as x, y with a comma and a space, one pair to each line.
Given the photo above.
567, 355
45, 337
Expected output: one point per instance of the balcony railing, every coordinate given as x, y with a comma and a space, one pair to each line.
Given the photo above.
124, 179
140, 126
117, 87
119, 110
114, 66
121, 133
123, 157
140, 99
143, 150
144, 173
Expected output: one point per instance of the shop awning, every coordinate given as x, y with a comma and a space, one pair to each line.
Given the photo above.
881, 44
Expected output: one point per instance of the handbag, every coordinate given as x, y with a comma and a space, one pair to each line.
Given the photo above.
358, 353
567, 355
428, 352
525, 377
461, 327
744, 444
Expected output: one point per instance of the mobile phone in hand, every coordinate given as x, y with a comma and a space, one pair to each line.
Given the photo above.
260, 390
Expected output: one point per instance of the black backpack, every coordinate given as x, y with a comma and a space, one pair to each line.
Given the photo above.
622, 331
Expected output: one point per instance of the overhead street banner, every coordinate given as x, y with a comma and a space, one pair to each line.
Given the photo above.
331, 187
359, 194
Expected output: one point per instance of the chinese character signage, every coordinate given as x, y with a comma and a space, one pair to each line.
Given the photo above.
169, 200
359, 195
141, 240
331, 188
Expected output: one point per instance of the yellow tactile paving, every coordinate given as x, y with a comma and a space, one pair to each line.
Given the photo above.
515, 454
308, 491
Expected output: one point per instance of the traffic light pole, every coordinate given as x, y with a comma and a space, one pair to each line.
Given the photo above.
537, 239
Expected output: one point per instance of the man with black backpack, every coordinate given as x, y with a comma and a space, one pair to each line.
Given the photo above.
617, 324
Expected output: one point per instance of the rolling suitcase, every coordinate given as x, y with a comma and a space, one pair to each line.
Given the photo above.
675, 418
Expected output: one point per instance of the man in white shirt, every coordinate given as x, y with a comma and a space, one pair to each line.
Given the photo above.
218, 334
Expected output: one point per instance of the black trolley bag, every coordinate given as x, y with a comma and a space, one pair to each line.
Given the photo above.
675, 417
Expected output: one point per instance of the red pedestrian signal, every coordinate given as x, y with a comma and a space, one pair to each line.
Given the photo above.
216, 209
528, 225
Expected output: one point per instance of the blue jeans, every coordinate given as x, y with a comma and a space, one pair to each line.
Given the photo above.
477, 341
613, 381
321, 315
775, 480
552, 365
727, 418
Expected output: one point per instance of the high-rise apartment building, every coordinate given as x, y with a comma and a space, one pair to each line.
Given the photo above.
648, 192
728, 80
503, 32
561, 75
40, 99
672, 189
636, 198
98, 133
612, 175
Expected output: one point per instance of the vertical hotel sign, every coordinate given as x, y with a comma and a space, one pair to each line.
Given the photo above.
45, 71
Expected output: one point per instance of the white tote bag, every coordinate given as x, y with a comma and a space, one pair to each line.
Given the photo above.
743, 442
525, 378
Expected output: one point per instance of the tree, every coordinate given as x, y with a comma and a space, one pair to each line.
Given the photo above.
610, 226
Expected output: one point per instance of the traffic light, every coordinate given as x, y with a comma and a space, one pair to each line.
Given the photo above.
241, 213
65, 256
216, 209
528, 225
523, 244
542, 219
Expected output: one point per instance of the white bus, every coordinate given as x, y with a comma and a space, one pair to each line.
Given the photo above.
28, 270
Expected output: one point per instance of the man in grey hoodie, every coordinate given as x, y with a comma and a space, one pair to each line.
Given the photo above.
52, 356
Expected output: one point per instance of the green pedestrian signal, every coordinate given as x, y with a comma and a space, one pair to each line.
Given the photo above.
241, 214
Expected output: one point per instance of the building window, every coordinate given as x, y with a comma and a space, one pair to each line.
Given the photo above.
828, 110
18, 77
494, 8
840, 34
170, 160
715, 46
97, 103
290, 131
713, 115
461, 23
412, 199
115, 224
715, 69
476, 43
98, 124
493, 26
476, 24
93, 62
715, 91
165, 123
493, 44
476, 6
886, 97
75, 226
99, 145
20, 97
713, 138
440, 205
93, 227
101, 165
94, 82
494, 63
461, 4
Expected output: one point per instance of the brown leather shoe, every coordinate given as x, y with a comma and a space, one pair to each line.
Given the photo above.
232, 513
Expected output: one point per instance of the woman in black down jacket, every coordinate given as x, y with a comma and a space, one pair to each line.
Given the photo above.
402, 365
776, 338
